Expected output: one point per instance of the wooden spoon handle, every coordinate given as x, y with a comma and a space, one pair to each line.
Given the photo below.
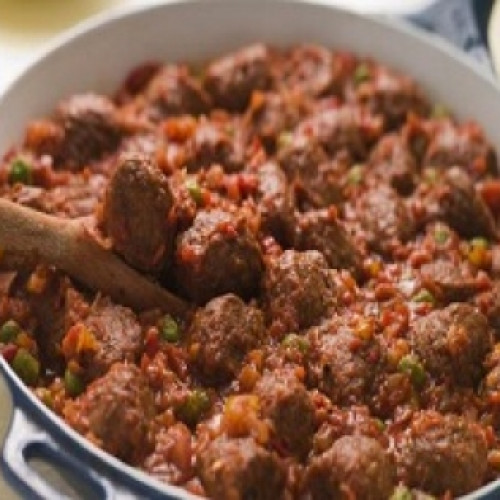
67, 245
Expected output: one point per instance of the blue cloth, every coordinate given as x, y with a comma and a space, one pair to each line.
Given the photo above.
464, 23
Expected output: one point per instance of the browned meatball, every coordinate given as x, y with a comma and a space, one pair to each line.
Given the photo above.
391, 95
115, 412
308, 69
301, 157
231, 79
136, 212
354, 467
321, 230
318, 181
271, 113
172, 457
392, 161
298, 290
341, 364
220, 336
218, 254
215, 143
442, 453
452, 343
240, 469
385, 218
173, 91
448, 282
275, 203
118, 337
463, 145
345, 127
463, 208
285, 401
89, 130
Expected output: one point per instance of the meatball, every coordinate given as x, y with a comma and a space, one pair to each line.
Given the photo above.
392, 161
172, 457
442, 453
385, 218
298, 290
173, 91
391, 95
275, 203
239, 469
221, 334
218, 254
285, 401
115, 412
452, 343
345, 127
463, 208
448, 281
341, 364
136, 212
231, 79
354, 467
463, 145
308, 69
271, 113
321, 230
215, 143
90, 129
118, 337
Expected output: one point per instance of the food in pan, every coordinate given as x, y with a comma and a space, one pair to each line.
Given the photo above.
335, 236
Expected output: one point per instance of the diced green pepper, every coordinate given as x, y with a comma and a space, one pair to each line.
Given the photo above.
169, 329
9, 331
73, 383
411, 365
20, 172
26, 366
193, 407
294, 341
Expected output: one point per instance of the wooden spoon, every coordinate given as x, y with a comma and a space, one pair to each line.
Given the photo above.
68, 245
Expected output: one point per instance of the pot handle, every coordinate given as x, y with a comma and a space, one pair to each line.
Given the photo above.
25, 444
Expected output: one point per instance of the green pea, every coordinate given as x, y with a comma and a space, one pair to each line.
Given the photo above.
439, 111
20, 172
194, 191
479, 242
169, 329
294, 341
355, 174
441, 236
401, 493
9, 331
361, 73
284, 139
424, 296
193, 407
73, 383
411, 365
26, 366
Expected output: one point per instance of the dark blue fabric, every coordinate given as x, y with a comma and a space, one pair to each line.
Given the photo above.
464, 23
